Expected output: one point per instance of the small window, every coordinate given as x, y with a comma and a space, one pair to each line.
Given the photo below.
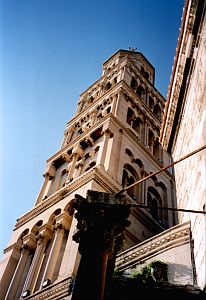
91, 165
108, 86
133, 83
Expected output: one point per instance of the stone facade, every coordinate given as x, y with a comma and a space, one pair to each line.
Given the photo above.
173, 247
111, 142
184, 128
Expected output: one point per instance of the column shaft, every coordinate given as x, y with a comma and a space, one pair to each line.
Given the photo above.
54, 254
33, 271
13, 287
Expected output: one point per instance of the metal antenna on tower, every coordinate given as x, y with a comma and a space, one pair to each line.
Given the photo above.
132, 49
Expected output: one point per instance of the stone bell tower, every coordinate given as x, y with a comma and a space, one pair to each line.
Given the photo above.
111, 142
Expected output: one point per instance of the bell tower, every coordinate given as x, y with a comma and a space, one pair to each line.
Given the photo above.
111, 142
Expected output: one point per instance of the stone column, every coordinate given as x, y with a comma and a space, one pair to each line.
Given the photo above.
115, 104
93, 116
35, 265
62, 224
20, 269
101, 221
49, 175
102, 154
77, 152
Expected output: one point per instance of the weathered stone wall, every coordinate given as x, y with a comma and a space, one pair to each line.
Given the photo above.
191, 173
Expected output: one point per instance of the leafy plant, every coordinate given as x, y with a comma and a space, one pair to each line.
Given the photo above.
156, 271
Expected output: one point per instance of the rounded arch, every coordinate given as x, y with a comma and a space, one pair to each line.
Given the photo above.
130, 116
129, 153
69, 208
54, 215
139, 163
130, 176
21, 236
35, 228
137, 125
154, 201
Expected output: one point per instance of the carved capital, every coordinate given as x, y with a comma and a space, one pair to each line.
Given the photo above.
102, 219
77, 151
89, 140
50, 171
29, 241
63, 221
66, 157
107, 132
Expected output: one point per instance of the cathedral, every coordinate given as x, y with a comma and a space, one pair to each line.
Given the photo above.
123, 131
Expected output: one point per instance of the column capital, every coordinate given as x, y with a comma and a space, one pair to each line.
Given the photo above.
77, 151
29, 241
45, 234
50, 171
66, 157
107, 131
102, 219
63, 221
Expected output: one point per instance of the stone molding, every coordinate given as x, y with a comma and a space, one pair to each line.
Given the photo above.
60, 289
178, 73
97, 174
169, 238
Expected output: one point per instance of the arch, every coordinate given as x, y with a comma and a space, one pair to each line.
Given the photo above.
24, 233
52, 220
154, 201
157, 150
139, 163
157, 110
140, 91
35, 228
151, 102
69, 208
129, 153
151, 138
133, 83
137, 125
130, 176
130, 116
91, 165
108, 85
146, 75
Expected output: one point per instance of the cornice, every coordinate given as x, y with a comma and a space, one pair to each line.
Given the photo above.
96, 173
144, 107
134, 140
137, 72
174, 236
79, 138
176, 80
55, 291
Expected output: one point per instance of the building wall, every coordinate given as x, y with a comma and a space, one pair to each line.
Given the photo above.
184, 127
173, 247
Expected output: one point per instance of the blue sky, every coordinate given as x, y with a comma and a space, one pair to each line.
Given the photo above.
51, 51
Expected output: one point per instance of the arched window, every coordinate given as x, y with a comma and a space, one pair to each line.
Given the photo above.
130, 116
157, 150
130, 176
91, 165
140, 92
108, 86
157, 110
151, 139
133, 83
137, 125
154, 201
146, 75
151, 102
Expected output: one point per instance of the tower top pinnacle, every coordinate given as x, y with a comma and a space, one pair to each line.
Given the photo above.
133, 49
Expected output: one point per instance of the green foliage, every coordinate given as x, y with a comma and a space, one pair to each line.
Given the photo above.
117, 273
155, 272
